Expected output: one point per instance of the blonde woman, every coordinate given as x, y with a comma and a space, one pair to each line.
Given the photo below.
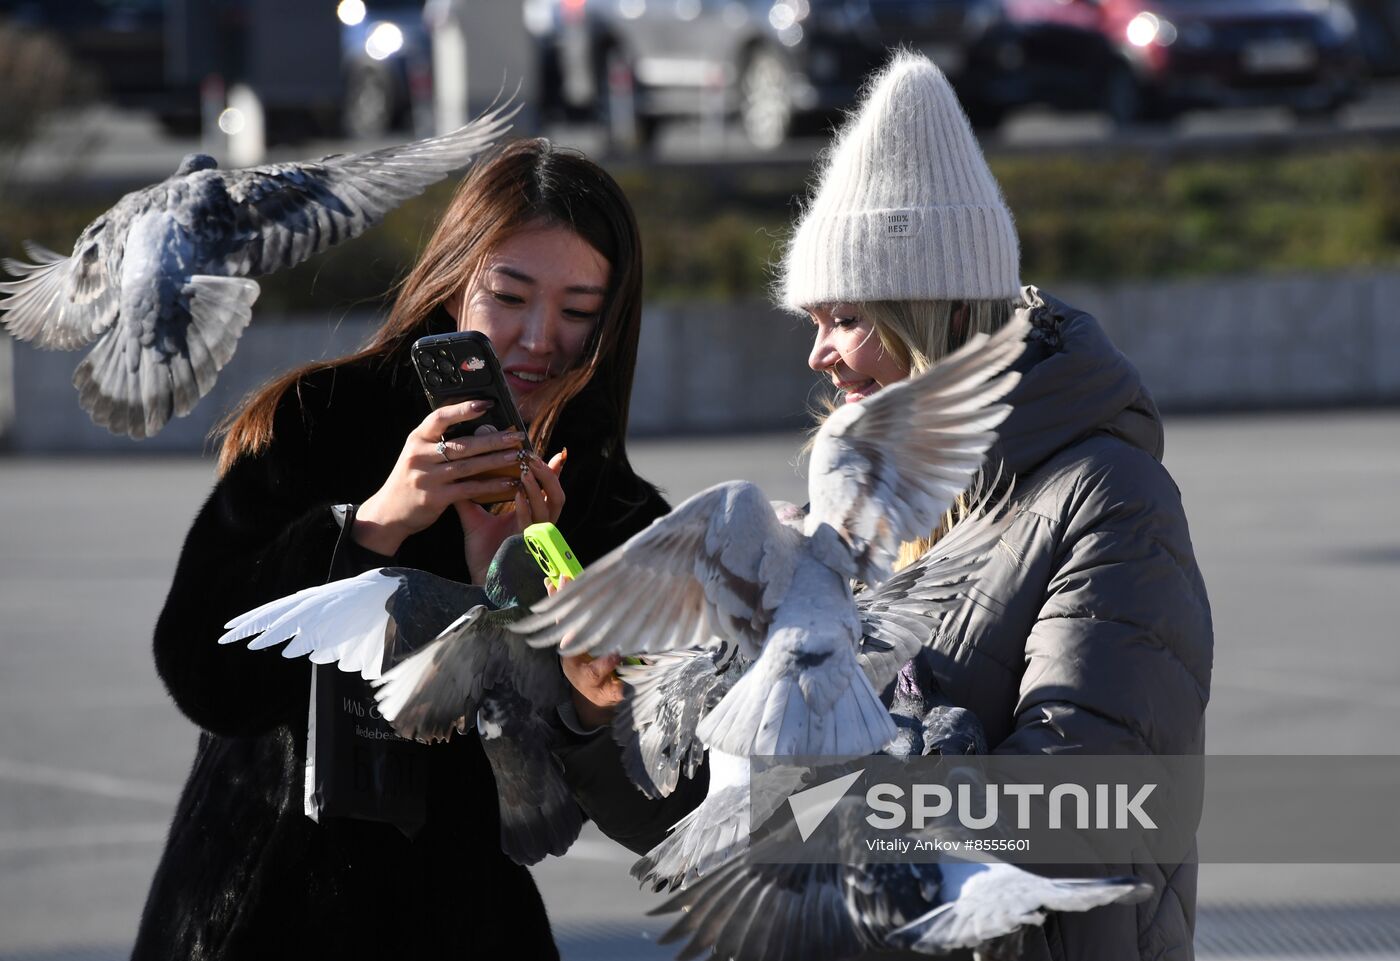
1092, 634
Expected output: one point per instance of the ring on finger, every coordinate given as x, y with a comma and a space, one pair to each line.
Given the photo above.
442, 451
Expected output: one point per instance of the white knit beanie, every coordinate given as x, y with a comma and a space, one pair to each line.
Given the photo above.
906, 208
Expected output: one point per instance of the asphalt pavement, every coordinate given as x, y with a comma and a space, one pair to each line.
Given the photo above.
1295, 527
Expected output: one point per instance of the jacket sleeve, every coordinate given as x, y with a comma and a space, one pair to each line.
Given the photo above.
1118, 661
265, 532
1119, 658
594, 772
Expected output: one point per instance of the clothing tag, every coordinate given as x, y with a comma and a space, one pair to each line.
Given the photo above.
900, 223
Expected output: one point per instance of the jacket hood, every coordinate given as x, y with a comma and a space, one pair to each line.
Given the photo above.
1074, 383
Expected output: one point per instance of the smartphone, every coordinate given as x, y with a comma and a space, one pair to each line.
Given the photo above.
462, 366
552, 552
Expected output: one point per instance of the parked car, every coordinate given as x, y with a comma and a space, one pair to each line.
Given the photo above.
120, 44
385, 59
387, 62
632, 63
1378, 26
1145, 59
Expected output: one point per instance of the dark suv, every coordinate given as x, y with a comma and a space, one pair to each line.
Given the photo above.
1148, 59
631, 63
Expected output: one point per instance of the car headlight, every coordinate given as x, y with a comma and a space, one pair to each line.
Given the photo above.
384, 40
351, 12
788, 13
1148, 28
1340, 20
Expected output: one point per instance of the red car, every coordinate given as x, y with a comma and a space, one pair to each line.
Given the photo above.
1139, 59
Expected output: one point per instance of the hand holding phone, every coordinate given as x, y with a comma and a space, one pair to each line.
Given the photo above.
462, 366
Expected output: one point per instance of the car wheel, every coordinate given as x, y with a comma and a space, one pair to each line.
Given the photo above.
369, 103
765, 103
1123, 99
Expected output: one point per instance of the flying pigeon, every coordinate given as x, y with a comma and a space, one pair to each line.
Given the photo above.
750, 906
159, 281
722, 565
666, 698
752, 910
464, 669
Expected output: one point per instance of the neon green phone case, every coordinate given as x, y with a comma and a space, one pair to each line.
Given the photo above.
552, 552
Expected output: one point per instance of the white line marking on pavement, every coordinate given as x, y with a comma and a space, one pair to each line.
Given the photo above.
600, 851
88, 782
87, 836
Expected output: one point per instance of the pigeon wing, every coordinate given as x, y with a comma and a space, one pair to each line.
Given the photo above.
284, 213
904, 612
538, 813
663, 701
438, 689
883, 471
988, 901
362, 623
750, 911
716, 566
62, 303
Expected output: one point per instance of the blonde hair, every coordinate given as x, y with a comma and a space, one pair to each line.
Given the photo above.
919, 333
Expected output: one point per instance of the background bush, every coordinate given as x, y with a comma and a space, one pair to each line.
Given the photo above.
712, 233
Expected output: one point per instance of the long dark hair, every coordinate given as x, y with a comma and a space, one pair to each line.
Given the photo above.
522, 184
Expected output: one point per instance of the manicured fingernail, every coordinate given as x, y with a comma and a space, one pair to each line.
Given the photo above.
509, 455
481, 405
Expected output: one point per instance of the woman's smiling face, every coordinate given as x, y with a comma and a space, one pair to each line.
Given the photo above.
537, 297
849, 351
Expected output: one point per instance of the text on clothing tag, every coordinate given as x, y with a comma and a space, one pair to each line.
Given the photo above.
899, 223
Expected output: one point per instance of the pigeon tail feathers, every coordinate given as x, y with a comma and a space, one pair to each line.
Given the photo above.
767, 716
137, 395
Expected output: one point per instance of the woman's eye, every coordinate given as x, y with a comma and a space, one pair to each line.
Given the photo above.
581, 314
507, 298
846, 323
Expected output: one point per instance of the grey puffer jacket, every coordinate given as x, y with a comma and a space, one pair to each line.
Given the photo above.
1098, 639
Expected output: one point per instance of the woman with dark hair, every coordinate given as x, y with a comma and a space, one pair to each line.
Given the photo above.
339, 467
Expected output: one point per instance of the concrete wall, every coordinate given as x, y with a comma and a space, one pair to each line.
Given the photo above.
1246, 343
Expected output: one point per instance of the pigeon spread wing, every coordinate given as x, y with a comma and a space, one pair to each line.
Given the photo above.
284, 213
363, 623
663, 702
63, 303
716, 566
159, 280
903, 613
988, 901
883, 471
538, 813
438, 689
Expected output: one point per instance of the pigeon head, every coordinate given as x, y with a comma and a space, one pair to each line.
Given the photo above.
195, 162
514, 578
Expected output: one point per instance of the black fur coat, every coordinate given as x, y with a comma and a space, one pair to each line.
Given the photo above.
245, 874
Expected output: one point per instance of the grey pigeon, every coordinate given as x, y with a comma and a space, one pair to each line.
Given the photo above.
465, 669
754, 908
722, 565
159, 281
